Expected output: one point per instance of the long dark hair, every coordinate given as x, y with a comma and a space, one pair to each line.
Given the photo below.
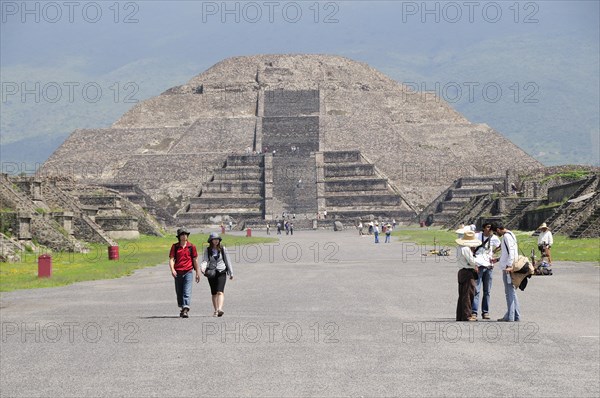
218, 247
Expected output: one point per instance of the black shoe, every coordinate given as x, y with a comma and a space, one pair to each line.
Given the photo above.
181, 313
220, 313
184, 313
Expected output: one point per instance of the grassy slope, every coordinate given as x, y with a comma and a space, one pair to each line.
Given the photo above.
68, 268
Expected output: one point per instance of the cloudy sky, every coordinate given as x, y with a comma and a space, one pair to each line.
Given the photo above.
530, 69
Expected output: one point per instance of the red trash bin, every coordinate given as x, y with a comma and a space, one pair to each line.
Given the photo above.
113, 252
44, 266
248, 232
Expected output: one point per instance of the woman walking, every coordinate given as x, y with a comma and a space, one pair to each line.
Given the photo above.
216, 267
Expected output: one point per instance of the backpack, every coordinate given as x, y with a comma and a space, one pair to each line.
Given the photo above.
543, 268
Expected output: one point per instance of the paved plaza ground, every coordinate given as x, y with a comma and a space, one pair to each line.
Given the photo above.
320, 313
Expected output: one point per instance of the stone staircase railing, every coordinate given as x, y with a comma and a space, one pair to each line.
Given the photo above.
9, 249
513, 218
15, 198
432, 207
577, 214
467, 211
75, 207
556, 219
99, 232
47, 232
392, 186
589, 228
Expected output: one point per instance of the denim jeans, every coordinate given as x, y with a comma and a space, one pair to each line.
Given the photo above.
387, 238
183, 288
376, 237
485, 277
513, 313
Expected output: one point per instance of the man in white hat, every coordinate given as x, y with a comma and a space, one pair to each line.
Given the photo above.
545, 241
467, 275
510, 252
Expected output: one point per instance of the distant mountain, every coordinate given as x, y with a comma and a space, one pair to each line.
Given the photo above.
548, 106
550, 111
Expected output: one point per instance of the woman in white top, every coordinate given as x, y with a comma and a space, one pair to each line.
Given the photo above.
545, 241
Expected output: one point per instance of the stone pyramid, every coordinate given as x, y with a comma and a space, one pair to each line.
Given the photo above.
300, 106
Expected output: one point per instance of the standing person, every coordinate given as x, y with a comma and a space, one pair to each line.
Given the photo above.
467, 275
510, 252
278, 227
268, 229
287, 228
215, 261
183, 257
388, 233
360, 228
376, 231
484, 257
291, 228
545, 241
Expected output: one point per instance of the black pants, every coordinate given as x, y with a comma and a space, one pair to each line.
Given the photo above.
467, 278
217, 283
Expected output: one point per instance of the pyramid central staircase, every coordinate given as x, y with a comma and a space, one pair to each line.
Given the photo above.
288, 172
245, 188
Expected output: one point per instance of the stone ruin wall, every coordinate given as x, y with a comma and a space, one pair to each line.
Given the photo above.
533, 183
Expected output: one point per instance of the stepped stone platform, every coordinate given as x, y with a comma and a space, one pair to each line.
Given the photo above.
65, 215
454, 206
575, 213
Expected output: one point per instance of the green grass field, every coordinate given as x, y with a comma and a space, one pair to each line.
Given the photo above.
68, 268
148, 251
564, 248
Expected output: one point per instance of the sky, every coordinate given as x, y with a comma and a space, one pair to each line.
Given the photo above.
92, 60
